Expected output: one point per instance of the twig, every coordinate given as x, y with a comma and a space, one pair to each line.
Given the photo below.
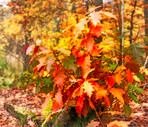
101, 121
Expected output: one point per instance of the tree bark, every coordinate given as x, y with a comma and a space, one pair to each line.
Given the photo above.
146, 26
98, 3
132, 26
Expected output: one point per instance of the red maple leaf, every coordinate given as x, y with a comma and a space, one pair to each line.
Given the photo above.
89, 43
41, 62
81, 60
36, 49
59, 79
129, 76
111, 81
96, 30
79, 105
58, 102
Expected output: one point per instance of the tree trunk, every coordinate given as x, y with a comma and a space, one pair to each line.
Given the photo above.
146, 25
98, 3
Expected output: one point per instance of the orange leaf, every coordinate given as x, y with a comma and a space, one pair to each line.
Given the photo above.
118, 93
129, 76
79, 105
59, 79
58, 102
107, 101
118, 78
77, 92
101, 93
58, 98
86, 65
93, 124
88, 88
89, 43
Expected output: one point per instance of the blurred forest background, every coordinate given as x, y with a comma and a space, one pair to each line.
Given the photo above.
25, 22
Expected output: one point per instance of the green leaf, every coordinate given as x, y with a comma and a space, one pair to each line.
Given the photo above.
37, 86
112, 66
54, 118
69, 63
127, 110
138, 90
47, 81
64, 51
48, 108
47, 111
140, 76
131, 95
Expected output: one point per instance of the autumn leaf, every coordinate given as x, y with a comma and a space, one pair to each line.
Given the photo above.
44, 50
81, 60
89, 43
86, 65
47, 99
41, 62
50, 61
119, 124
100, 93
80, 26
96, 30
111, 81
93, 123
25, 47
36, 49
84, 110
29, 49
109, 14
88, 88
127, 110
77, 92
118, 93
69, 63
58, 102
129, 76
58, 97
107, 101
59, 79
79, 105
95, 18
118, 78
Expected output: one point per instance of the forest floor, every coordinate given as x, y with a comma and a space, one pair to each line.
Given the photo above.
27, 99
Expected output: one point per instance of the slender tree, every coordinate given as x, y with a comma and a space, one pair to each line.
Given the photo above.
146, 24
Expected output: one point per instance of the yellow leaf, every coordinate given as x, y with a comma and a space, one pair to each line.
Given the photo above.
118, 93
118, 124
136, 78
88, 88
101, 93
